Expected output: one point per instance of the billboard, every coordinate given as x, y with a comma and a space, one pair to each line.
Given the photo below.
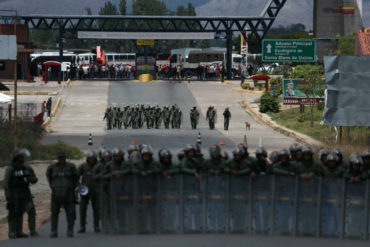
293, 96
8, 44
348, 89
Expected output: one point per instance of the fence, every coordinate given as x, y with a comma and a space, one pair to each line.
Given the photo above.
274, 205
25, 111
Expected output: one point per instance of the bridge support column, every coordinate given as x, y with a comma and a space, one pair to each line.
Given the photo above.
229, 53
61, 32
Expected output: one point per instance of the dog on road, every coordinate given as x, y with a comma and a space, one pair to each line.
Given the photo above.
247, 126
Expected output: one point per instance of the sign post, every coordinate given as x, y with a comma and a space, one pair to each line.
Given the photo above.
289, 50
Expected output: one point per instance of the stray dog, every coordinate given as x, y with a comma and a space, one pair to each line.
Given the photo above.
247, 126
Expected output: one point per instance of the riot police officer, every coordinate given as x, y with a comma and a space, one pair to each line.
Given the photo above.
284, 166
63, 179
18, 196
308, 168
91, 185
165, 161
215, 165
237, 165
354, 172
190, 164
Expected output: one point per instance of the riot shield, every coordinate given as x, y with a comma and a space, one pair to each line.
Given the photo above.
331, 220
261, 187
308, 202
147, 204
239, 204
193, 205
170, 204
105, 205
123, 209
355, 210
215, 206
284, 202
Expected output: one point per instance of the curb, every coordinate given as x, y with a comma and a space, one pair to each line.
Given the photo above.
278, 127
54, 111
46, 122
28, 93
228, 83
245, 91
68, 82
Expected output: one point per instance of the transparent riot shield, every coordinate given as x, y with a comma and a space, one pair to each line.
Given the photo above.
355, 210
147, 204
308, 202
105, 205
170, 204
216, 204
261, 187
193, 204
331, 220
239, 204
284, 202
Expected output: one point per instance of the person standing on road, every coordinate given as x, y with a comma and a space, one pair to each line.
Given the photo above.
194, 117
227, 117
211, 117
18, 196
166, 117
223, 72
109, 117
48, 106
63, 180
85, 173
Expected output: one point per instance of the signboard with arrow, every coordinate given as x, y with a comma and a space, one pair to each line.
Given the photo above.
289, 50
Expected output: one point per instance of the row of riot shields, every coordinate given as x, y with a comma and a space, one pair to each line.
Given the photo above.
276, 205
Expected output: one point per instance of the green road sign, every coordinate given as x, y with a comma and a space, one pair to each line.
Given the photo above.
289, 50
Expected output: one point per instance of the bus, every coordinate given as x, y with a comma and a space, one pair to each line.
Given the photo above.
118, 58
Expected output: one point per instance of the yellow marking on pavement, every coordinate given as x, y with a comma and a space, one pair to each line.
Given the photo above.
56, 107
46, 122
28, 93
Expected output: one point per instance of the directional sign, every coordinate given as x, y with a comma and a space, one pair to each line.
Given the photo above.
289, 50
145, 42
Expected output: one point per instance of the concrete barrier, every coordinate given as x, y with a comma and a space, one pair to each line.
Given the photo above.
54, 111
239, 90
145, 78
46, 122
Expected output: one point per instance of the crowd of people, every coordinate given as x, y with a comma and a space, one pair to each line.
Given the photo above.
93, 71
152, 116
65, 179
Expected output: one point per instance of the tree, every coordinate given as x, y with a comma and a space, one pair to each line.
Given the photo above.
346, 46
191, 10
122, 7
313, 86
149, 7
269, 103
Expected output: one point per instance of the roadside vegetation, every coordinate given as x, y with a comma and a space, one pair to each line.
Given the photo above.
29, 136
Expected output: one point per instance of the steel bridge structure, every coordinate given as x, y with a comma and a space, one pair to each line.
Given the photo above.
255, 26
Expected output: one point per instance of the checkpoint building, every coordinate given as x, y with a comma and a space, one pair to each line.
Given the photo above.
334, 18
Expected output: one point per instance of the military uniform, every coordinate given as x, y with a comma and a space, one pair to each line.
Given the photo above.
109, 117
227, 117
63, 180
284, 166
211, 116
238, 166
157, 117
19, 199
119, 116
177, 117
166, 117
86, 174
194, 117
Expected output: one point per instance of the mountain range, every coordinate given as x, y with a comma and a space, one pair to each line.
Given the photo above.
294, 11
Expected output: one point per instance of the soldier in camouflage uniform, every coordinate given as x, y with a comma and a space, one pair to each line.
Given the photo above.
215, 165
147, 166
211, 117
117, 166
341, 162
332, 168
85, 173
166, 165
63, 180
284, 166
18, 177
190, 164
260, 164
194, 117
126, 117
308, 168
157, 117
238, 165
141, 116
177, 117
119, 116
354, 172
166, 117
109, 117
323, 153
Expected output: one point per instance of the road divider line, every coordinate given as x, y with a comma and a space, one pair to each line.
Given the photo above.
54, 111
